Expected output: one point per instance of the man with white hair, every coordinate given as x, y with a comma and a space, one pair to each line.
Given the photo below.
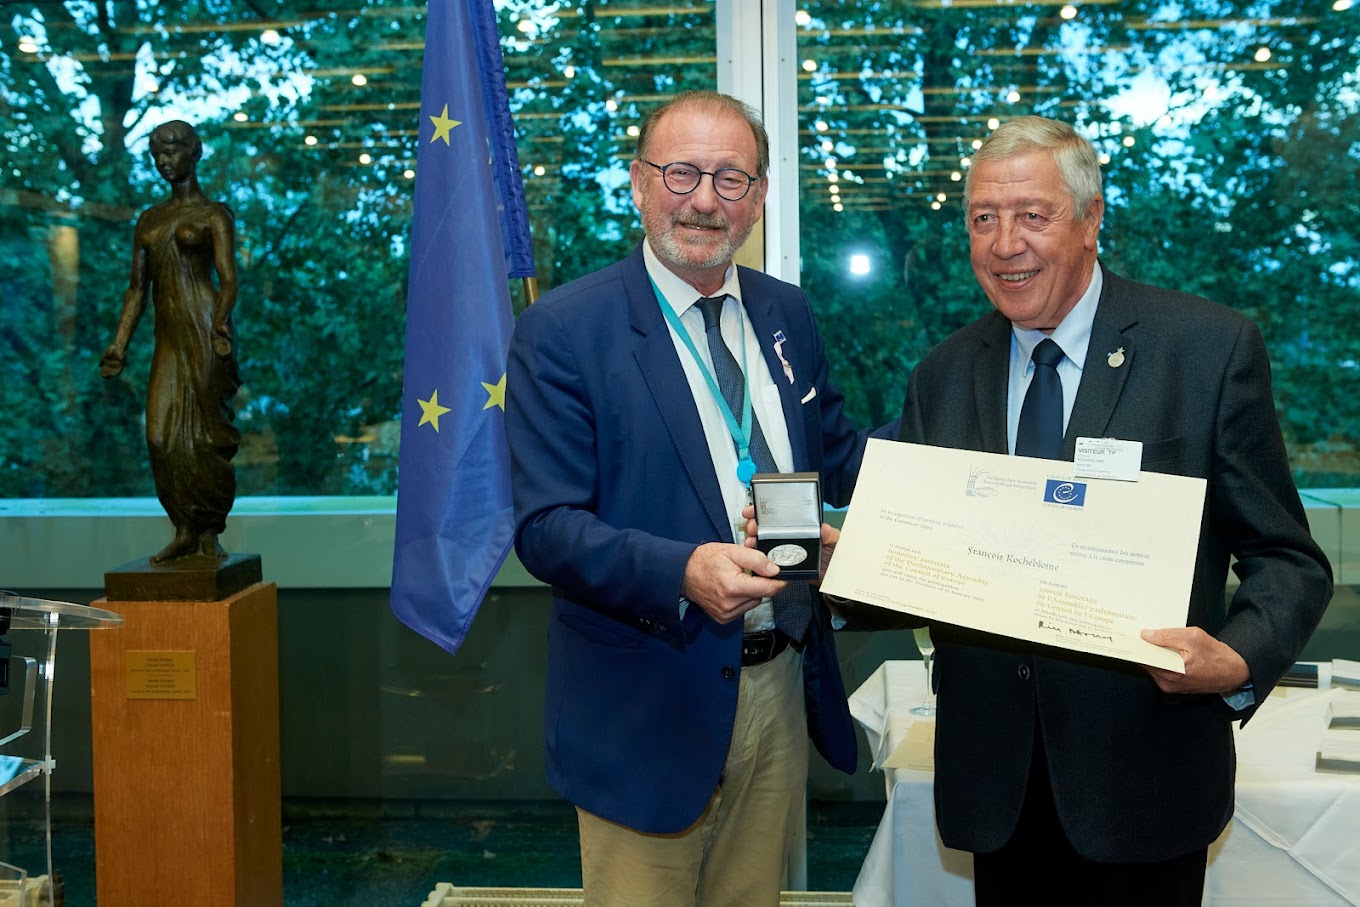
1075, 778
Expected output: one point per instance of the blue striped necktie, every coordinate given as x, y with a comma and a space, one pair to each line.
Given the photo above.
793, 607
731, 381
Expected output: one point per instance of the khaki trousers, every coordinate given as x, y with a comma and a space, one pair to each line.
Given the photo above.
737, 852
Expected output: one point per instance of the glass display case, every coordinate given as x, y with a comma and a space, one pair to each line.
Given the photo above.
28, 652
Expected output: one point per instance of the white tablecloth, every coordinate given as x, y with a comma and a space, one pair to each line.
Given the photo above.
1294, 838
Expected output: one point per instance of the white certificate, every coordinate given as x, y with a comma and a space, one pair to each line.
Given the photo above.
1019, 547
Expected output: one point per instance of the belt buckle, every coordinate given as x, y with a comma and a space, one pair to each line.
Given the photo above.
758, 648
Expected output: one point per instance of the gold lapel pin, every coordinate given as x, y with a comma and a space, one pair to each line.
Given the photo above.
1116, 359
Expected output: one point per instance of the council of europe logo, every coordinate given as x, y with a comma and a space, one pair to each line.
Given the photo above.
1062, 491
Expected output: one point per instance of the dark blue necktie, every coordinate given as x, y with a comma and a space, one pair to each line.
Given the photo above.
1040, 432
793, 606
731, 381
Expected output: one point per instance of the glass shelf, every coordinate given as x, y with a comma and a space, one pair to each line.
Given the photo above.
41, 614
16, 771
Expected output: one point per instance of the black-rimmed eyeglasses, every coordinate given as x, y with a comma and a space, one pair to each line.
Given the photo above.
682, 179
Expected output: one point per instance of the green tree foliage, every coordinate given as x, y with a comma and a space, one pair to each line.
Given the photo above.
1229, 176
579, 78
321, 235
320, 238
1248, 196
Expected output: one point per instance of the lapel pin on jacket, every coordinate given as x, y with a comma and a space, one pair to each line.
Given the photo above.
779, 340
1116, 359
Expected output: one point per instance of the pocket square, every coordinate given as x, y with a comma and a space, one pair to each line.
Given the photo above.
809, 395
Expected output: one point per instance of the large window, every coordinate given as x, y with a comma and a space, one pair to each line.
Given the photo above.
309, 118
1230, 133
1231, 129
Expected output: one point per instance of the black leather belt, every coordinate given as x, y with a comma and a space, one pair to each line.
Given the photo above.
758, 648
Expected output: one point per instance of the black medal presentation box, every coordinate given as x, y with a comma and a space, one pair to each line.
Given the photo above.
789, 521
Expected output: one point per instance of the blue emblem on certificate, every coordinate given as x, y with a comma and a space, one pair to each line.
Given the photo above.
1065, 491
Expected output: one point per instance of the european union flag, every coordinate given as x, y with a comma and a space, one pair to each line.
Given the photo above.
469, 236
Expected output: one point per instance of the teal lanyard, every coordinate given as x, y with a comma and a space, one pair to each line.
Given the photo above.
740, 431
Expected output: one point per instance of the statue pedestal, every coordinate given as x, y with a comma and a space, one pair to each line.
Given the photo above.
186, 580
185, 720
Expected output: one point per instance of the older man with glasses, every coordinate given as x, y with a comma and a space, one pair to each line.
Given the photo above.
684, 678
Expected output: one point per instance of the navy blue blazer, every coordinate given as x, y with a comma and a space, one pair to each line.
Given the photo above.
614, 488
1138, 775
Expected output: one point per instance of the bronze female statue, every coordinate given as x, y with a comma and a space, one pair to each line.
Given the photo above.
190, 430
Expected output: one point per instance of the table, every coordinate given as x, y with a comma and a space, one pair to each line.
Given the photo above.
1294, 838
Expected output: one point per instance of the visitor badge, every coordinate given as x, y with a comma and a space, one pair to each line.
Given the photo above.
1108, 458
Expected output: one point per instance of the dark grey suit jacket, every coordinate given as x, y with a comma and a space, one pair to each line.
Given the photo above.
1138, 775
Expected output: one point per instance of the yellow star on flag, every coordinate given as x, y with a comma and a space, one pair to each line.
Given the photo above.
442, 125
431, 410
495, 394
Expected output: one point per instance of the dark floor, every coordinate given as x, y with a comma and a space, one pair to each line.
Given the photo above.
381, 854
